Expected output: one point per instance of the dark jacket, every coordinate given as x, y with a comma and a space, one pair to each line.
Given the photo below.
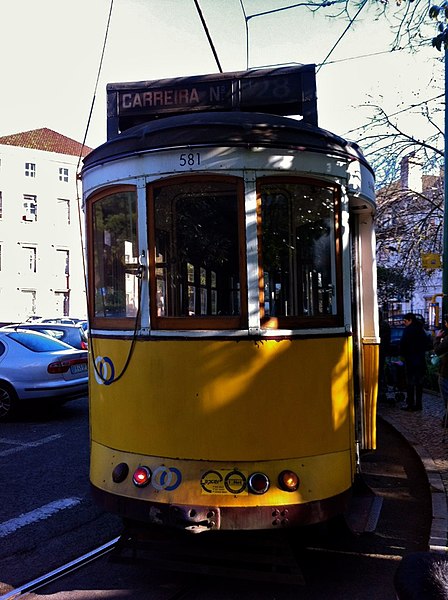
414, 345
441, 349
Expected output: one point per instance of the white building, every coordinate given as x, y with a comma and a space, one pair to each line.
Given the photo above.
409, 237
41, 269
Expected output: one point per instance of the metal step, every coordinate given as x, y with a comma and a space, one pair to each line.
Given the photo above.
364, 510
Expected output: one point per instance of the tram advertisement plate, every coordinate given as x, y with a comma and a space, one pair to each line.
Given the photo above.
224, 481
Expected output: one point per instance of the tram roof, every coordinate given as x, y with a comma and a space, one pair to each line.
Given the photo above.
235, 129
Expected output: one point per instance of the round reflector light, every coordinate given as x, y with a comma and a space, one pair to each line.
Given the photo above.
120, 472
258, 483
141, 477
288, 481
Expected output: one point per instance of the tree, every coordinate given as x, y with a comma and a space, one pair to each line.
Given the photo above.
393, 286
409, 225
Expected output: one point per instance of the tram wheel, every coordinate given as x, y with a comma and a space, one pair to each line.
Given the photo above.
8, 400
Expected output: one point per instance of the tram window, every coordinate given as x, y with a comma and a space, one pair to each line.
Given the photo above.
115, 256
298, 254
197, 259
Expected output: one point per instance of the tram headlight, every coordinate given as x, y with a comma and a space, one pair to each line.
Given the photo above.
258, 483
142, 476
288, 481
120, 472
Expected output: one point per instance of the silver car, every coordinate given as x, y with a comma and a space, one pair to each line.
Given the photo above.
73, 335
36, 366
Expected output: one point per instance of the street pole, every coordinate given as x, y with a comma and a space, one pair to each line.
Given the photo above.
445, 203
440, 15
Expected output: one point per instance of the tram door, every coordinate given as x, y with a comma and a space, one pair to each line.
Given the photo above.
365, 328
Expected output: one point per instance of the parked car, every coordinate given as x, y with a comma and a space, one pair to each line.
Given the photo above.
396, 334
74, 335
35, 366
395, 339
63, 320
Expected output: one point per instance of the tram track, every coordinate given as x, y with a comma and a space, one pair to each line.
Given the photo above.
62, 571
226, 563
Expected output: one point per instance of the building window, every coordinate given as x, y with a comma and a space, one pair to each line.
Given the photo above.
29, 208
63, 174
30, 258
1, 255
63, 211
62, 303
29, 302
62, 270
30, 169
1, 206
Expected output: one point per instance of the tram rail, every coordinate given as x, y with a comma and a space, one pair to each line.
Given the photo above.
62, 571
271, 560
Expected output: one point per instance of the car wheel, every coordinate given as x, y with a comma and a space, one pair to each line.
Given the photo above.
8, 400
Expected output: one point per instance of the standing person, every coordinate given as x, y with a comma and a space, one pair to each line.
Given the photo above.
441, 350
413, 346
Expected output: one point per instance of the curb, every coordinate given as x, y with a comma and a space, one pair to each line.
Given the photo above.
439, 527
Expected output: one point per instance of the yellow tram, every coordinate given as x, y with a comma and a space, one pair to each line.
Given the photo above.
232, 307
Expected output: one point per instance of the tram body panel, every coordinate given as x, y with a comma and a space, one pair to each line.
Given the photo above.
230, 160
227, 396
223, 483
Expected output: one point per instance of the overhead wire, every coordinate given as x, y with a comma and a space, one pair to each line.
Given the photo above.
349, 58
315, 5
342, 35
326, 62
403, 110
78, 198
100, 66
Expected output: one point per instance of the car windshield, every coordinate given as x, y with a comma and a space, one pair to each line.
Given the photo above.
38, 343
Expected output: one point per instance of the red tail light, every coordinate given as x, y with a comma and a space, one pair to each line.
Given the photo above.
62, 366
142, 476
58, 367
84, 345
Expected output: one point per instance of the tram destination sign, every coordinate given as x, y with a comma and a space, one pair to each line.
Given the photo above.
281, 91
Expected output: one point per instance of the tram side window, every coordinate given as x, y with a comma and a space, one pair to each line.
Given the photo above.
115, 255
299, 261
197, 253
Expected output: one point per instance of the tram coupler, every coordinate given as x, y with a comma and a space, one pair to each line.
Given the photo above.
195, 519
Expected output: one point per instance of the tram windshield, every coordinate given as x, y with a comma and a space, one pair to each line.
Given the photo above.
298, 252
197, 251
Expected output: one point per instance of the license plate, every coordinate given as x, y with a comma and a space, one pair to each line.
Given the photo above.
80, 368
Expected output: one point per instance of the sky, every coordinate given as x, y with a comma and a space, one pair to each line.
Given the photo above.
51, 54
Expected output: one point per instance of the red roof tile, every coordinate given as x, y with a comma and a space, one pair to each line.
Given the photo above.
45, 139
